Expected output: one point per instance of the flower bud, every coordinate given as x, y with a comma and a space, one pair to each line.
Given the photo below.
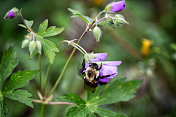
29, 36
39, 46
32, 46
25, 43
119, 20
97, 33
11, 14
115, 7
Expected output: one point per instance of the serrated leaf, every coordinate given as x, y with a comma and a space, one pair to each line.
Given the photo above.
49, 49
72, 98
8, 63
76, 13
2, 109
119, 91
79, 111
22, 25
95, 94
43, 26
108, 113
19, 79
28, 23
52, 31
22, 96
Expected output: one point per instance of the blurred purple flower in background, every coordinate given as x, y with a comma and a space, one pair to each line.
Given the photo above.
108, 69
11, 14
115, 6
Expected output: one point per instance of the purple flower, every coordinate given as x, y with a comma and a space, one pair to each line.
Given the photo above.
11, 14
109, 68
115, 7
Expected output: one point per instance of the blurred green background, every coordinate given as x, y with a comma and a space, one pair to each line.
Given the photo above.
154, 20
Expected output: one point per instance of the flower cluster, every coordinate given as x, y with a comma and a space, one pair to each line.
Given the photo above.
109, 68
33, 43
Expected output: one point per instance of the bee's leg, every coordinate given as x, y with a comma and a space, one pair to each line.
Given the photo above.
83, 67
102, 83
100, 67
102, 77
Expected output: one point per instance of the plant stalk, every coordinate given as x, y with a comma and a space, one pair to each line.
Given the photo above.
40, 72
43, 110
46, 81
70, 57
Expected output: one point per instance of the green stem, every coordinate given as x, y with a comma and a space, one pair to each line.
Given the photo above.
46, 81
43, 110
70, 57
40, 73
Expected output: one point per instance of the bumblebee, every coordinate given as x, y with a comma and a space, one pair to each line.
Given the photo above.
92, 75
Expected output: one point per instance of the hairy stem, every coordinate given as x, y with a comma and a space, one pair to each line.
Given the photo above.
53, 103
46, 81
70, 57
43, 110
29, 28
40, 72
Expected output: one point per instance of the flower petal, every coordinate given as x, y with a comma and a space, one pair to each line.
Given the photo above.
116, 6
99, 57
105, 80
108, 70
112, 63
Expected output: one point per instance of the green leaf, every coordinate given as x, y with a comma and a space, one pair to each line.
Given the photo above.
108, 113
19, 79
79, 111
43, 26
119, 91
72, 98
2, 109
52, 31
8, 63
22, 25
49, 49
28, 23
22, 96
78, 14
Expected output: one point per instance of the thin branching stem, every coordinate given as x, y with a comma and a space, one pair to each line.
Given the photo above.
52, 103
70, 57
29, 28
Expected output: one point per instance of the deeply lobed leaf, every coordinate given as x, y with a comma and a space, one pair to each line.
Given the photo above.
49, 49
43, 26
119, 91
8, 63
20, 79
22, 96
73, 98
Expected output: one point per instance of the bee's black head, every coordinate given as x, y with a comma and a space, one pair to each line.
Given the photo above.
93, 65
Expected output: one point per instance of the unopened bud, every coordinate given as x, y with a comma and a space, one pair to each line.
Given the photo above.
97, 33
32, 46
11, 14
115, 7
25, 43
39, 46
29, 36
120, 19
